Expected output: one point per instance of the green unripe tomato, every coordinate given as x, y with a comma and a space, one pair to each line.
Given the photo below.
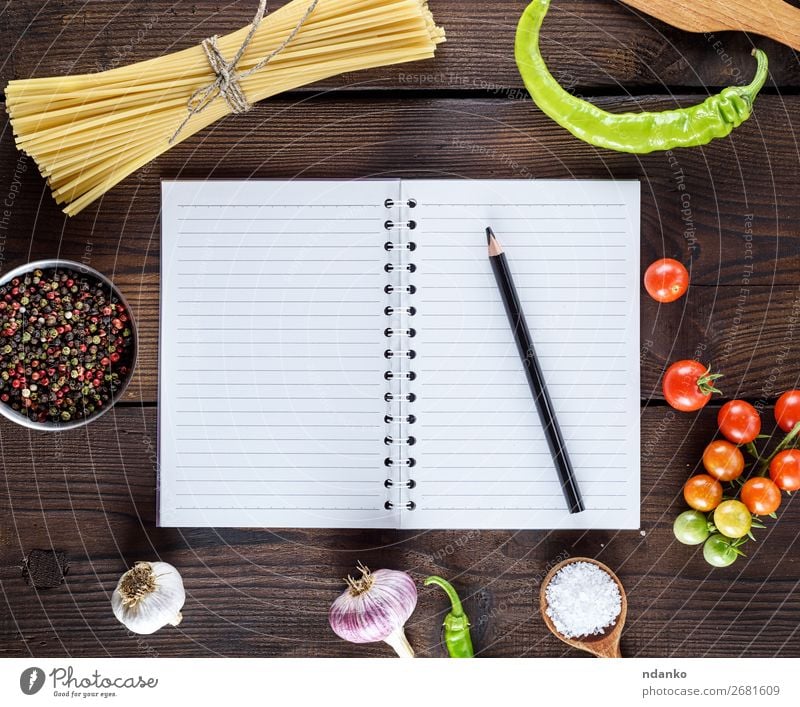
718, 551
691, 528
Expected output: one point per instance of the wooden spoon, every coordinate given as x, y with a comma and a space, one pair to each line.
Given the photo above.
771, 18
604, 645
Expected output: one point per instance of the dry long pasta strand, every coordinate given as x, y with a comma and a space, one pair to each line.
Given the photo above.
141, 93
272, 28
136, 126
199, 68
88, 132
123, 115
95, 120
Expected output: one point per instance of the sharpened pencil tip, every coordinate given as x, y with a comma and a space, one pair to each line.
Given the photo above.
494, 245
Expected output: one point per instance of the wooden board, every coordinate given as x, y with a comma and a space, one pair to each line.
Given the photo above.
714, 208
726, 207
588, 44
254, 592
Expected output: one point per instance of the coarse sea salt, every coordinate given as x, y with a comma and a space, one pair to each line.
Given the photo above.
582, 600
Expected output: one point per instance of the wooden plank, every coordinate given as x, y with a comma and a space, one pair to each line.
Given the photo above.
725, 207
587, 43
258, 592
741, 326
750, 334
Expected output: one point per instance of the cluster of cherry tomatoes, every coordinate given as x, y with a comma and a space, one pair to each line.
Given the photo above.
723, 520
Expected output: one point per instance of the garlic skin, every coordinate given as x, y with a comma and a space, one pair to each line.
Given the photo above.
375, 608
149, 596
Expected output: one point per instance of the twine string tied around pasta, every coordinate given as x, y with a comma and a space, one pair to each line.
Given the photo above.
227, 82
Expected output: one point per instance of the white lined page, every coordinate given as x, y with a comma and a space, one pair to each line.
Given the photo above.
482, 460
271, 355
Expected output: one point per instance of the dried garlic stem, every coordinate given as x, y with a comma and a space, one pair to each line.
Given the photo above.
399, 642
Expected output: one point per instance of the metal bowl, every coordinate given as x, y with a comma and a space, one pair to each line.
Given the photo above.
13, 415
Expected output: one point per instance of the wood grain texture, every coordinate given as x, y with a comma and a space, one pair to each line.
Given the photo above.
258, 592
750, 334
723, 209
731, 210
729, 207
588, 44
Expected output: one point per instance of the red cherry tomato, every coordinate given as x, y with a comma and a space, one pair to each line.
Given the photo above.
784, 470
666, 280
702, 493
739, 421
761, 496
723, 460
688, 385
787, 410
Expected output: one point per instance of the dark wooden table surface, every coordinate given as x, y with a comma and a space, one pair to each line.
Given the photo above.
732, 209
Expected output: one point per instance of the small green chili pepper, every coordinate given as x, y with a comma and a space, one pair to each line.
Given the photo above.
638, 133
456, 623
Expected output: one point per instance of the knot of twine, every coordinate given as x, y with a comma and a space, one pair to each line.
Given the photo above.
227, 82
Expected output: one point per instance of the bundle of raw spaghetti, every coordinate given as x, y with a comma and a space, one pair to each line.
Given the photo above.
88, 132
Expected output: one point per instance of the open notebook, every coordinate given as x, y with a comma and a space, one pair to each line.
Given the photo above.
336, 354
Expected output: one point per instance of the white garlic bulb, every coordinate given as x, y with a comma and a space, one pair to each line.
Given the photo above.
149, 596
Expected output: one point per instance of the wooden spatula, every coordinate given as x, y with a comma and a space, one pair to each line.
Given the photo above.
771, 18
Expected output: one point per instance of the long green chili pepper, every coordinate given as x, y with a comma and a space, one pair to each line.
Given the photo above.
639, 133
456, 623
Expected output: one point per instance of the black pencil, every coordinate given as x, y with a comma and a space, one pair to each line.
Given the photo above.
533, 371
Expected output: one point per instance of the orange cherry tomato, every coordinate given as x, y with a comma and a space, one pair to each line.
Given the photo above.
666, 280
702, 493
761, 496
784, 470
787, 410
723, 460
739, 421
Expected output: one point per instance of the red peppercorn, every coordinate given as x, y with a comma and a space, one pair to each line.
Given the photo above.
97, 382
114, 357
104, 361
116, 323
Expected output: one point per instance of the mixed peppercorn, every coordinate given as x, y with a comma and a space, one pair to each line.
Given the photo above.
66, 345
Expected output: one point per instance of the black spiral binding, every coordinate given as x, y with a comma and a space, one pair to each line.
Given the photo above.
398, 440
